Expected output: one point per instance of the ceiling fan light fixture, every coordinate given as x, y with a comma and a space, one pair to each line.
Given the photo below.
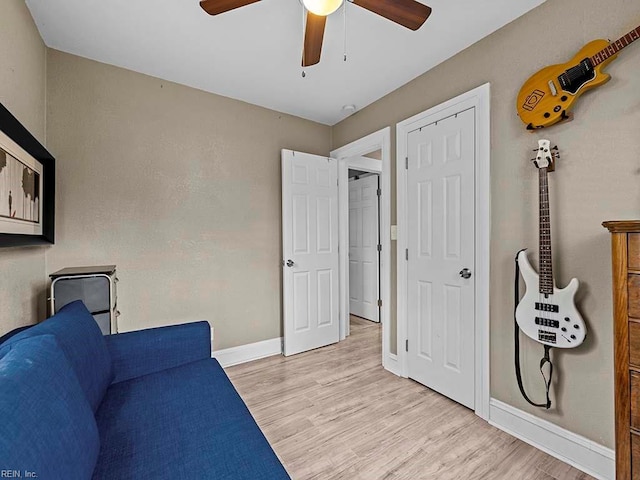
322, 7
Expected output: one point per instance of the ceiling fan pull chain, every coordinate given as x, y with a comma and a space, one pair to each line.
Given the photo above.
304, 21
344, 14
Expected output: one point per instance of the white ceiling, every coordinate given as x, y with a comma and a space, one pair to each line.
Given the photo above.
253, 53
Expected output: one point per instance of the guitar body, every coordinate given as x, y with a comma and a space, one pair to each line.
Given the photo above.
554, 320
544, 100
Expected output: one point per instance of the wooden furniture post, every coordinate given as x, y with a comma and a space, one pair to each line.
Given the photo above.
625, 252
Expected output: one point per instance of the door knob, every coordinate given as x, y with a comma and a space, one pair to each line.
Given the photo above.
290, 263
465, 273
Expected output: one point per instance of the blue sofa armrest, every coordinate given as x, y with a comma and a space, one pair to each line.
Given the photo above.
142, 352
13, 332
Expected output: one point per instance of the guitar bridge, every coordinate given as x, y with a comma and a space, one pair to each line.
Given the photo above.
544, 336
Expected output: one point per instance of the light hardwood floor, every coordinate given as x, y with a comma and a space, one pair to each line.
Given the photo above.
335, 413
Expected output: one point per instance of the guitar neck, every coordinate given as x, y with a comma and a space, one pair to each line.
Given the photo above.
546, 266
615, 47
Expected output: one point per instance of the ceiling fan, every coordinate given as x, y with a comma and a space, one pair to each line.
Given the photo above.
408, 13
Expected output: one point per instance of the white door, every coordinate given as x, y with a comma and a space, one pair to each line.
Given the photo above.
310, 250
441, 237
363, 248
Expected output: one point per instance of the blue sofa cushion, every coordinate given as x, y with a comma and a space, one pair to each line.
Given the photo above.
82, 342
47, 426
186, 422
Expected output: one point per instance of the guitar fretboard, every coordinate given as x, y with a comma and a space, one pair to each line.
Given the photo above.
546, 266
615, 47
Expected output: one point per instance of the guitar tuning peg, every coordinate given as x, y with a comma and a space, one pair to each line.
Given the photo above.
532, 159
555, 148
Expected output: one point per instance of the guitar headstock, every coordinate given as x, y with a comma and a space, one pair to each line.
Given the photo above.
546, 155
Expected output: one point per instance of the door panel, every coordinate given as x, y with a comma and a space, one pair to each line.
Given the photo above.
425, 320
451, 217
301, 301
441, 239
425, 203
324, 216
310, 250
369, 283
325, 297
300, 224
452, 321
363, 248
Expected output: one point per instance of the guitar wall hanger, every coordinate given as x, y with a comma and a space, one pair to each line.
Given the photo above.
555, 155
548, 96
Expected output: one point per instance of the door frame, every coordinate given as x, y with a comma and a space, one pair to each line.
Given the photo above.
350, 155
479, 98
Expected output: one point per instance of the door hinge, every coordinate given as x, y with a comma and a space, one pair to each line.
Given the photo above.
379, 248
406, 345
379, 192
406, 254
379, 302
406, 163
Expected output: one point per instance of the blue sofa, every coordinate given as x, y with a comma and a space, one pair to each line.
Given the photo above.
151, 404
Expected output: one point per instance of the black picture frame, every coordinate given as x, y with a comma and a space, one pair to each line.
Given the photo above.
11, 127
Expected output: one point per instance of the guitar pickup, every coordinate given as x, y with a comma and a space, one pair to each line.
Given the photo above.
549, 337
547, 322
547, 307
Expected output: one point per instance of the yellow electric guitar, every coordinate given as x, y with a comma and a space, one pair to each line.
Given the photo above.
546, 98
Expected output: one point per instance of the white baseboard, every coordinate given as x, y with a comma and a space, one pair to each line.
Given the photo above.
246, 353
576, 450
390, 363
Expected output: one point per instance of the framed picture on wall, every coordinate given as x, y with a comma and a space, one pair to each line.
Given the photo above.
27, 186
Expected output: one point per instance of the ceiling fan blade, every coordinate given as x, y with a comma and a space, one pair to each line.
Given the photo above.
313, 34
408, 13
214, 7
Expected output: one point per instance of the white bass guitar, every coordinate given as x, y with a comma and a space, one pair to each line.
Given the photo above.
547, 313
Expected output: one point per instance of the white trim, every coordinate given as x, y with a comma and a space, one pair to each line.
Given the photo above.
478, 98
371, 167
365, 164
247, 353
576, 450
343, 253
380, 140
392, 364
213, 337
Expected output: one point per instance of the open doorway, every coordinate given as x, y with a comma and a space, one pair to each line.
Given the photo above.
370, 154
364, 244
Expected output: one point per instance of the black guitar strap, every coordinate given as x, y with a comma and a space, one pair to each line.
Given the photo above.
546, 359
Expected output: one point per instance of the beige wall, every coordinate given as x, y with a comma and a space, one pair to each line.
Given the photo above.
22, 91
177, 187
597, 179
181, 189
